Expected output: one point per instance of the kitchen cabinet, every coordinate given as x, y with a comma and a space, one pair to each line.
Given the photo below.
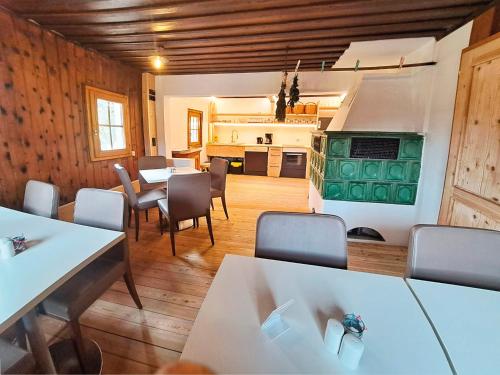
256, 161
274, 161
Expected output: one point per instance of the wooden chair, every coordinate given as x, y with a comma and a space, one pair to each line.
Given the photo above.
101, 209
138, 201
218, 173
455, 255
188, 198
302, 238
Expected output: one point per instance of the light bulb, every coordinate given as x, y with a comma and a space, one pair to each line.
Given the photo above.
157, 62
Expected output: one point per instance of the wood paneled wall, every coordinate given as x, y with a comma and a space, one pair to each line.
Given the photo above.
43, 126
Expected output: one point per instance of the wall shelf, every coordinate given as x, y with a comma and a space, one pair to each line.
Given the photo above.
264, 125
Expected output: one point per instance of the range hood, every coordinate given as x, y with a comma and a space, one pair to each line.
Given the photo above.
380, 103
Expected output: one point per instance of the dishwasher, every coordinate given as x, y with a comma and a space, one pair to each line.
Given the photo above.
293, 163
256, 162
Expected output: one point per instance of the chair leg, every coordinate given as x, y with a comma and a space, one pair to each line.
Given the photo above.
129, 280
129, 216
160, 217
147, 216
223, 198
197, 219
76, 336
212, 203
172, 234
136, 218
209, 224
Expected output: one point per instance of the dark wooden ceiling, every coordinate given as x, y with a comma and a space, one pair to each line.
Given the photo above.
221, 36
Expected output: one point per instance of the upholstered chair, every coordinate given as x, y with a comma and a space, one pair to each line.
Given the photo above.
302, 238
141, 201
41, 198
188, 198
455, 255
218, 173
100, 209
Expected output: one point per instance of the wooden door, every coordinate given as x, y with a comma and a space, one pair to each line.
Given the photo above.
471, 194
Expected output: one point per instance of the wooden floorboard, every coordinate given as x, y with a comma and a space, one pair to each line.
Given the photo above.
172, 288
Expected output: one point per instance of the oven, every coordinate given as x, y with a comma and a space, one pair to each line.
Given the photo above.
293, 164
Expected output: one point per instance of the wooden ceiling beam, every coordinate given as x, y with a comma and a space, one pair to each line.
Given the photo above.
277, 64
197, 60
352, 11
294, 29
296, 52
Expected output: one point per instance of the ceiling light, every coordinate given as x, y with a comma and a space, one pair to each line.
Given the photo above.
158, 61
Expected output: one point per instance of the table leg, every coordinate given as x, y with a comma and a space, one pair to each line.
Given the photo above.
38, 343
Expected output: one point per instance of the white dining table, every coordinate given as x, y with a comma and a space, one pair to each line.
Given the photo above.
56, 251
227, 337
467, 321
153, 176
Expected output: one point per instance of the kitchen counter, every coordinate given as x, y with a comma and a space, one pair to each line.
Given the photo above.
258, 145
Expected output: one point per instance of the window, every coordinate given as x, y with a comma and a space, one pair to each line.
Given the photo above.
109, 127
195, 120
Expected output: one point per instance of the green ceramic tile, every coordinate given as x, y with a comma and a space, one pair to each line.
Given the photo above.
334, 190
381, 192
371, 169
410, 149
357, 191
405, 193
395, 170
331, 169
414, 172
338, 147
348, 169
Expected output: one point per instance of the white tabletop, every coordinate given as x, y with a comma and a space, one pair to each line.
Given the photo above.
153, 176
57, 250
468, 322
227, 337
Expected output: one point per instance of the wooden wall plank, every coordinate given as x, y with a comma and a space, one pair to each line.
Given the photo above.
42, 111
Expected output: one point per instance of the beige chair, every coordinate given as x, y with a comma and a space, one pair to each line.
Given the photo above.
41, 198
302, 238
100, 209
218, 173
15, 360
188, 198
141, 201
455, 255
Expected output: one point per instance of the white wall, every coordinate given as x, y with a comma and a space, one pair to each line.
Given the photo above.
172, 134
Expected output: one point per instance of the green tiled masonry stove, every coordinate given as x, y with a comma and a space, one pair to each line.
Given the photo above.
338, 176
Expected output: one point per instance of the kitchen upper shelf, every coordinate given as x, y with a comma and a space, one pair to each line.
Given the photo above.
265, 125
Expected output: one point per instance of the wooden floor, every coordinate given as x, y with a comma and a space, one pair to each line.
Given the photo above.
172, 288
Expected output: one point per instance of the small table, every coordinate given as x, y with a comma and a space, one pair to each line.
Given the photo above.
57, 250
467, 320
153, 176
227, 336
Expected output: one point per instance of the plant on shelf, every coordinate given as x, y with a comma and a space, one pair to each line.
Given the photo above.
281, 103
294, 91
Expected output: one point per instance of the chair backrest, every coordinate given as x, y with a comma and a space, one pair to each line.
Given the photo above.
455, 255
189, 195
99, 208
127, 184
150, 162
41, 198
181, 162
302, 238
218, 172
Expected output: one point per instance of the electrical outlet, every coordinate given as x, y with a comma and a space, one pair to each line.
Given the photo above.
133, 153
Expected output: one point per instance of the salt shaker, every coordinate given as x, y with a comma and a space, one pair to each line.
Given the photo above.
333, 335
6, 248
351, 350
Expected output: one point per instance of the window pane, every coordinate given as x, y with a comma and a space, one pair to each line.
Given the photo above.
102, 112
118, 137
116, 113
105, 138
194, 136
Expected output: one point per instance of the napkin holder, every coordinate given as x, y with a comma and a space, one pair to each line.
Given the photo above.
274, 326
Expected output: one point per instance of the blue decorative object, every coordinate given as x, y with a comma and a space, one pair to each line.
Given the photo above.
354, 324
